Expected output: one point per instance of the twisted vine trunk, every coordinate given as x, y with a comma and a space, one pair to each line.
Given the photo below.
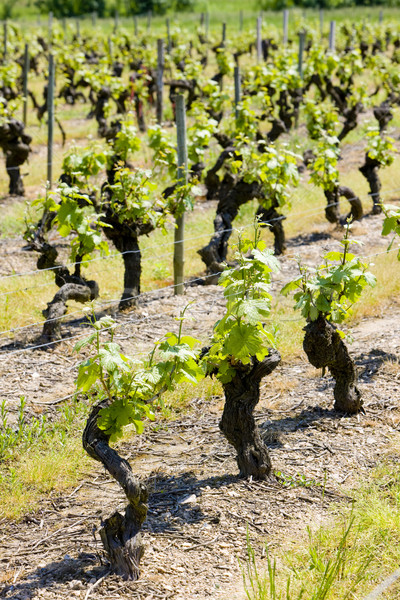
351, 119
85, 291
325, 348
332, 210
139, 109
232, 193
120, 534
214, 254
383, 114
129, 248
271, 217
125, 237
72, 286
277, 129
238, 425
15, 144
370, 170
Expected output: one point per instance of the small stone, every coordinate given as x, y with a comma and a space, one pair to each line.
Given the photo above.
192, 499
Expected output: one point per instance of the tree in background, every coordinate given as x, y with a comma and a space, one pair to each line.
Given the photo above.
157, 7
6, 9
72, 8
281, 4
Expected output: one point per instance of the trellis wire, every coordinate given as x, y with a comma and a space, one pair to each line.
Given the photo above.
107, 303
144, 258
230, 229
135, 356
80, 335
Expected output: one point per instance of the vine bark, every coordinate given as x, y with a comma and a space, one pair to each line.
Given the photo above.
325, 348
238, 425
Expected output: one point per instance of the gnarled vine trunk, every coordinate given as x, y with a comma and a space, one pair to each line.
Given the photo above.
332, 211
370, 170
83, 291
214, 254
125, 237
238, 424
383, 114
277, 129
15, 144
120, 534
271, 217
232, 192
325, 348
351, 119
128, 245
72, 286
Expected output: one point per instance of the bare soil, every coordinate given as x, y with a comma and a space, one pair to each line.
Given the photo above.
200, 513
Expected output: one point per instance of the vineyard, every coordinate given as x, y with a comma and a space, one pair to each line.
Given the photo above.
199, 323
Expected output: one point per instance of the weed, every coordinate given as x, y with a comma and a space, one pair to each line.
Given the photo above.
327, 568
343, 559
160, 271
21, 434
297, 480
38, 455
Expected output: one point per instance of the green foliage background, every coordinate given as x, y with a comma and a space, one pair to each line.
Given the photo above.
219, 10
71, 8
281, 4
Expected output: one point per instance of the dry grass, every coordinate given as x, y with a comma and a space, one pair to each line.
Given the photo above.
369, 551
279, 384
178, 401
306, 215
38, 472
392, 368
386, 267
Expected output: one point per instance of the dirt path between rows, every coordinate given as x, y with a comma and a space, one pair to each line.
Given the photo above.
200, 513
46, 375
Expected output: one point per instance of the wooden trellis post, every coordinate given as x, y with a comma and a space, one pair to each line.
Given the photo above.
285, 26
50, 124
160, 75
302, 41
258, 42
332, 28
25, 84
179, 253
238, 91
